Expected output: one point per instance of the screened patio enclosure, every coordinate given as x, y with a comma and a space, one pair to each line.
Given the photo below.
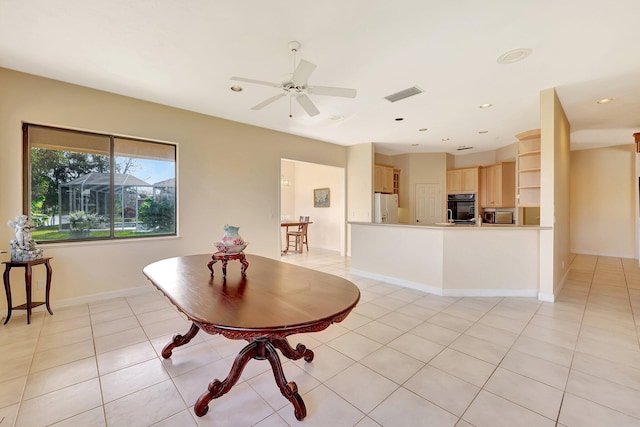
90, 194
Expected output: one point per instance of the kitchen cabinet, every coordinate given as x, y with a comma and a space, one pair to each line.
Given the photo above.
529, 168
382, 179
460, 181
498, 184
482, 187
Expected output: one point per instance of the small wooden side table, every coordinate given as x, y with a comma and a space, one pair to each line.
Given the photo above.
27, 282
220, 256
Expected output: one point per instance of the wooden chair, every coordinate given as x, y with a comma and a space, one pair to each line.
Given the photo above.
298, 238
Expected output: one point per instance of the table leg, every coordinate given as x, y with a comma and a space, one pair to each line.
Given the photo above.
224, 267
27, 283
48, 286
288, 389
7, 290
245, 265
300, 351
179, 340
210, 265
259, 349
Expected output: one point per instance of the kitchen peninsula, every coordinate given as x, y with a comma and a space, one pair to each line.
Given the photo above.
458, 260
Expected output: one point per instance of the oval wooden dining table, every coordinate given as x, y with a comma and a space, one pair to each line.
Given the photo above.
274, 300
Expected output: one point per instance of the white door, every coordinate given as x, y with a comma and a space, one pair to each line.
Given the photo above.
428, 203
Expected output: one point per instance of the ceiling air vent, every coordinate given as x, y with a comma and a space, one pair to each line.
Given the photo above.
403, 94
464, 147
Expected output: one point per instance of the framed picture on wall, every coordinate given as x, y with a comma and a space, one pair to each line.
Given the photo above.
321, 198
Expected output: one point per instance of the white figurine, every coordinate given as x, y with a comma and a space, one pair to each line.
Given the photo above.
22, 247
24, 226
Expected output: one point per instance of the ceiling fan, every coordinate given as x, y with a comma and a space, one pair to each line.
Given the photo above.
296, 86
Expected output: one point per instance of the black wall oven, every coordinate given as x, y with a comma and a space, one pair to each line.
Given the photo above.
461, 207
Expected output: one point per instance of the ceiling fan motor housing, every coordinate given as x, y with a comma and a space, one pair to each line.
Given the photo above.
294, 46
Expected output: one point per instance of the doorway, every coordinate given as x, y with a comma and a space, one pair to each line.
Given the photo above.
298, 180
428, 199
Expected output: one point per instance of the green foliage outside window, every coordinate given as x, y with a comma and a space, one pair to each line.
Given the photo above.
157, 215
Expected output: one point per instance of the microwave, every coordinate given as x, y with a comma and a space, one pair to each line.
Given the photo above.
498, 217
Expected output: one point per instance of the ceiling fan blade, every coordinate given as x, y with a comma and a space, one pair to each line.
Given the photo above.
303, 71
333, 91
307, 105
258, 82
268, 101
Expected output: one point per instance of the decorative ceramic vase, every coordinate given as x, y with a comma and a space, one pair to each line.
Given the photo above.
231, 236
231, 242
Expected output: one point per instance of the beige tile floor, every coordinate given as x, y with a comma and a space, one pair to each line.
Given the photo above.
402, 358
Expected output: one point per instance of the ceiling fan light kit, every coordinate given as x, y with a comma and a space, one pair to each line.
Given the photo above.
297, 86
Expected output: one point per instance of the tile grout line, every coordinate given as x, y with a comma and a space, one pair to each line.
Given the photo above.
573, 353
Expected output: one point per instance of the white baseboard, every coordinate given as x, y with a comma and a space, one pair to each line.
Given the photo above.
546, 297
395, 281
67, 302
521, 293
612, 255
449, 292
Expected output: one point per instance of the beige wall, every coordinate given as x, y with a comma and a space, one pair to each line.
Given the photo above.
555, 168
287, 191
508, 153
603, 209
328, 228
360, 160
227, 173
484, 158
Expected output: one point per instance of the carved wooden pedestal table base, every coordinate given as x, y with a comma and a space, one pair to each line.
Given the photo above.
259, 349
250, 308
220, 256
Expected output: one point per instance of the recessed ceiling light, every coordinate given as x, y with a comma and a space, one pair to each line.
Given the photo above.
445, 139
399, 119
514, 55
605, 100
483, 131
236, 88
483, 106
423, 130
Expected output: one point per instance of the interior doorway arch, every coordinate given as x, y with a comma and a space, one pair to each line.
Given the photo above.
298, 180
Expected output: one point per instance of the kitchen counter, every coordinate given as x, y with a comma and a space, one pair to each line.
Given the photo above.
458, 225
457, 260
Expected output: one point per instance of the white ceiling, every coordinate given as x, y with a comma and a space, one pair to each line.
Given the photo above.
183, 53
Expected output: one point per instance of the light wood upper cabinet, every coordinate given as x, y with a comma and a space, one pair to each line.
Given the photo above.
461, 181
454, 181
499, 189
382, 179
470, 180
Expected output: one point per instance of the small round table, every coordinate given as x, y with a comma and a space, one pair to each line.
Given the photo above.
225, 257
27, 282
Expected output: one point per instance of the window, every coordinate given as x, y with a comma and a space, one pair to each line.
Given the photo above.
87, 186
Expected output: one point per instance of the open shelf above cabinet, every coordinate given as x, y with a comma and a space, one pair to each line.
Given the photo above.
529, 168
